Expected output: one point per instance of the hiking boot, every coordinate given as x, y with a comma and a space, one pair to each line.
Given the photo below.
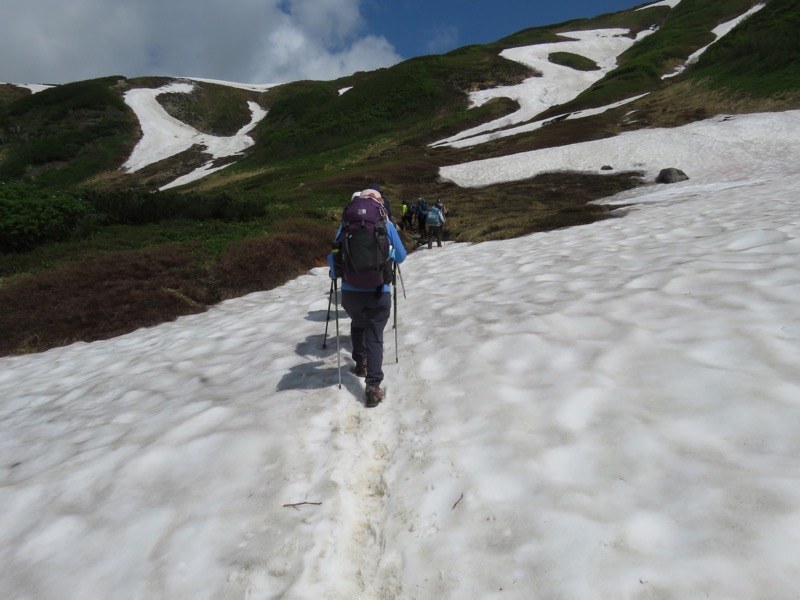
374, 396
360, 369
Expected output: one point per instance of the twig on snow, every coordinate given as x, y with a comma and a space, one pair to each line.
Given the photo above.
296, 505
459, 500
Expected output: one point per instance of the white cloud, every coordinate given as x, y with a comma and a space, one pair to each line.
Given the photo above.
332, 21
83, 39
240, 40
284, 48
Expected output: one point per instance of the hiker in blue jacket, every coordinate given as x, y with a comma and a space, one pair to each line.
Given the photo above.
369, 310
434, 224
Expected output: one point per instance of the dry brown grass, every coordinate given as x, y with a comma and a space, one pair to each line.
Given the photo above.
264, 263
688, 101
123, 291
549, 201
101, 298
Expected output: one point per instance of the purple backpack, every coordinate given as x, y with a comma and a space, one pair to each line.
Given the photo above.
363, 244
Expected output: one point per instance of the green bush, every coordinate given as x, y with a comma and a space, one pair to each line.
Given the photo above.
573, 61
138, 207
57, 103
63, 135
29, 217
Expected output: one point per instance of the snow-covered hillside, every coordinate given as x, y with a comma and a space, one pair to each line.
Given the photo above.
605, 411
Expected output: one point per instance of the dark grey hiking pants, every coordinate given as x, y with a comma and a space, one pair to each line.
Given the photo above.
368, 318
434, 231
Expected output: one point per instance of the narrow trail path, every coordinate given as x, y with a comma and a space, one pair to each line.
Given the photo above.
350, 531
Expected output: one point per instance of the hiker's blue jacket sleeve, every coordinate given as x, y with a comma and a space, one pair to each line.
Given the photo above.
330, 266
398, 250
331, 270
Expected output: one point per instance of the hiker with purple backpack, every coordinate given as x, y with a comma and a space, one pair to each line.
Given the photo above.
366, 247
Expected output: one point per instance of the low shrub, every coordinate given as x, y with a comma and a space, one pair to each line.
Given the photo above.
573, 61
137, 207
263, 263
30, 217
125, 290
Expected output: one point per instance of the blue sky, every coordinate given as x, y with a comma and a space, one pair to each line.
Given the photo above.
416, 27
254, 41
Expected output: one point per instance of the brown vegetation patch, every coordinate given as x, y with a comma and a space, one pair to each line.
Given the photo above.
102, 298
263, 263
125, 290
10, 92
421, 171
689, 101
229, 177
165, 171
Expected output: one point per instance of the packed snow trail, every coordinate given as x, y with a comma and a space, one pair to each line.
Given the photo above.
346, 559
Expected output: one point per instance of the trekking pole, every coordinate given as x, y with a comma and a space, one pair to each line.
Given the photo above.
338, 354
400, 273
394, 286
328, 318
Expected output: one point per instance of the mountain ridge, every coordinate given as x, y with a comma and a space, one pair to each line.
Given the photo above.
299, 113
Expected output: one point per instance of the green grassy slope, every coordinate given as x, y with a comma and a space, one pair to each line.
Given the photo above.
760, 57
66, 134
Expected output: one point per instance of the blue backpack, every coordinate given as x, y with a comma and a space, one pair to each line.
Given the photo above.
361, 250
434, 216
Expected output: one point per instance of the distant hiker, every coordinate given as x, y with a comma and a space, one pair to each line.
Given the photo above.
366, 244
422, 214
408, 215
434, 224
442, 207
